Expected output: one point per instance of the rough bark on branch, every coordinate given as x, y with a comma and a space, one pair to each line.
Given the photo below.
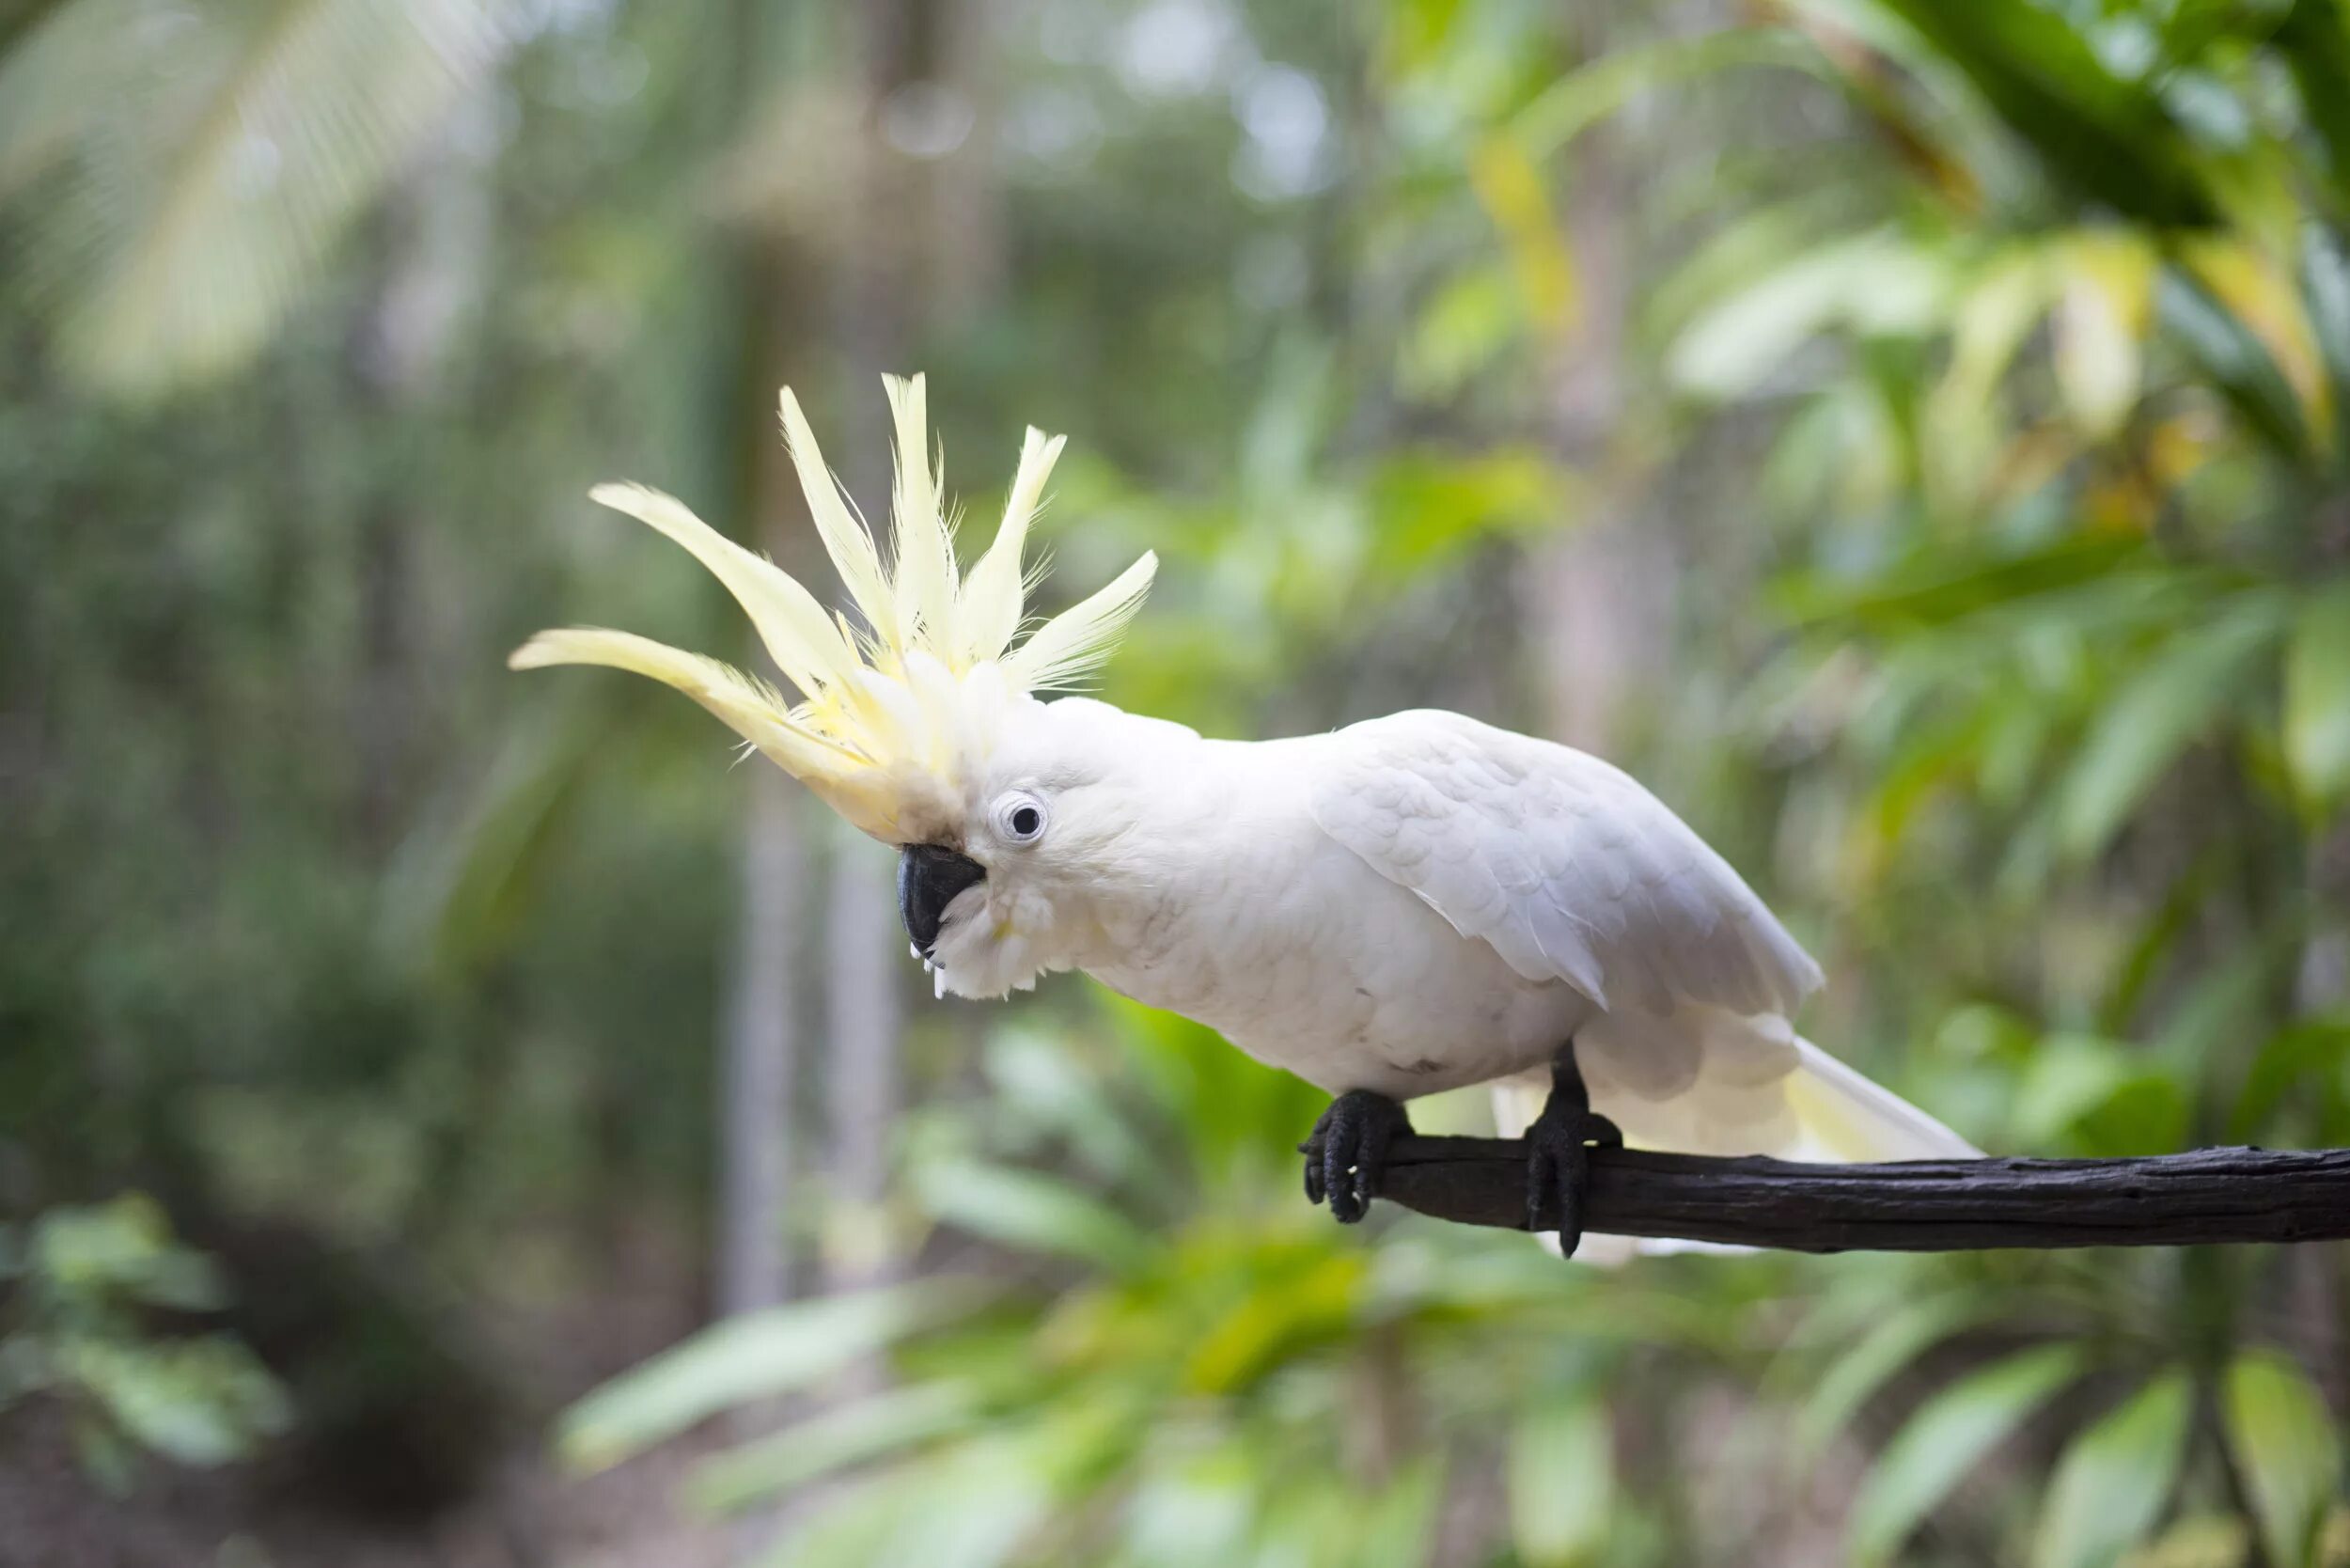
2210, 1194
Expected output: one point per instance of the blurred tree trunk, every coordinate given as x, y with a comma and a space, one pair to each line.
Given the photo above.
905, 230
761, 1055
863, 1017
1603, 614
863, 1013
759, 1089
755, 338
896, 249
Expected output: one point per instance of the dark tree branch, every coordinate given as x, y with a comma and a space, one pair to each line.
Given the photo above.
2211, 1195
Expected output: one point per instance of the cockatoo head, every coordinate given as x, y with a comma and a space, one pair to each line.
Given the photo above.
918, 722
1061, 851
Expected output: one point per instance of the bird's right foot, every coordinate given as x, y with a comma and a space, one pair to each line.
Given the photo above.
1346, 1153
1558, 1148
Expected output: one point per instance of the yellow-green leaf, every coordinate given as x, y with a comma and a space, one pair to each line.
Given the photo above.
1509, 186
1892, 1342
2101, 319
1949, 1436
747, 1358
2183, 694
2285, 1446
1562, 1481
832, 1440
2317, 698
1032, 1211
2114, 1478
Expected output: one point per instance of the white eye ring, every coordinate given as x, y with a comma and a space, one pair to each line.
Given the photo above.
1019, 818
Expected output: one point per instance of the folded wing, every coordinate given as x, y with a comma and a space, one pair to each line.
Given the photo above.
1564, 864
1574, 872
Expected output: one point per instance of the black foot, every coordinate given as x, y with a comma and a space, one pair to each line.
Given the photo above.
1347, 1152
1558, 1155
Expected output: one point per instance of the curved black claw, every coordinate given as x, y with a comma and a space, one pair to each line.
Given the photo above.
1346, 1153
1558, 1149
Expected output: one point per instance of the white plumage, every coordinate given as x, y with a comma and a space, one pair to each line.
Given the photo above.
1413, 904
1408, 905
1572, 872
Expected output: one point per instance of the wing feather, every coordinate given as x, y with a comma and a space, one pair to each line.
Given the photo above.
1565, 865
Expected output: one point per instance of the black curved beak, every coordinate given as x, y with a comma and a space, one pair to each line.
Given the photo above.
929, 877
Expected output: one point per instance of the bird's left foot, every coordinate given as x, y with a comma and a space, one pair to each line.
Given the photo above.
1346, 1153
1558, 1149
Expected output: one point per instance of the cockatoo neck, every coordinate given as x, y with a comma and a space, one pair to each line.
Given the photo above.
1199, 842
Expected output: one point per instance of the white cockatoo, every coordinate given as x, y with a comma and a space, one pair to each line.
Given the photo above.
1401, 907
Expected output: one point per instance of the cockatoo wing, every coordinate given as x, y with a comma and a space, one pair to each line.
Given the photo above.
1574, 872
1564, 864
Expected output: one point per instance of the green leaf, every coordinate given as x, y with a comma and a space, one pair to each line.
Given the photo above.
1951, 1433
1312, 1521
1510, 188
852, 1435
2109, 1098
1591, 93
1464, 325
2304, 1056
1305, 1297
845, 1526
2069, 1077
1045, 1091
1562, 1482
748, 1359
1032, 1212
2284, 1444
1417, 34
196, 1401
172, 242
2316, 47
1947, 584
1428, 505
1875, 282
974, 1510
2317, 698
1898, 1339
2234, 357
2105, 139
969, 1508
2114, 1478
460, 889
2182, 696
1191, 1506
1398, 1526
122, 1248
2325, 276
2100, 321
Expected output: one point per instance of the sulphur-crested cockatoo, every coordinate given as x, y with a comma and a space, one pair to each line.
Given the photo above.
1404, 906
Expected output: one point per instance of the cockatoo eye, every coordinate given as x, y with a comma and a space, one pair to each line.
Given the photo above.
1019, 818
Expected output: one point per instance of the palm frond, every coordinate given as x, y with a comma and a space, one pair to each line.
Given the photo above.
193, 166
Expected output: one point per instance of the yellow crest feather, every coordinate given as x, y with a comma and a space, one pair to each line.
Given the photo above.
891, 725
995, 593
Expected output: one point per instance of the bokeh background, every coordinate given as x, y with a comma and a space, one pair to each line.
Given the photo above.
1914, 436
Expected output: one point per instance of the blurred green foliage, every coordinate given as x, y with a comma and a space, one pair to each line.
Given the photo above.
1973, 399
80, 1290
